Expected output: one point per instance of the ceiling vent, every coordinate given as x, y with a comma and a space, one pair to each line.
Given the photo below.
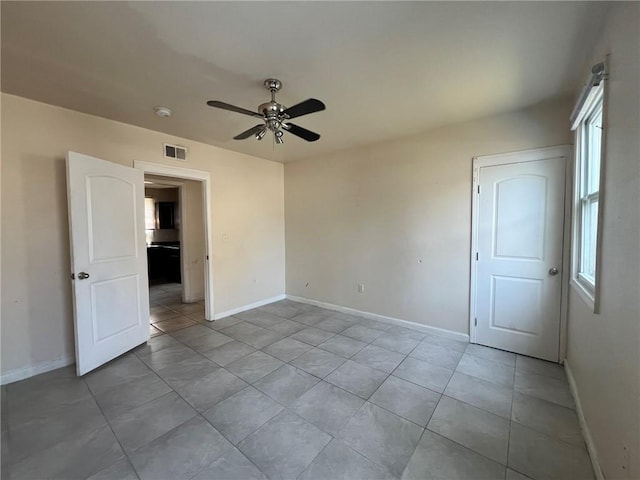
175, 151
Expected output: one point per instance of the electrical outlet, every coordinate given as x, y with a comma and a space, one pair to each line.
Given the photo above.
360, 288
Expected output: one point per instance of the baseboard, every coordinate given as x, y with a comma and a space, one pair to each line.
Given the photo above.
32, 370
266, 301
382, 318
586, 433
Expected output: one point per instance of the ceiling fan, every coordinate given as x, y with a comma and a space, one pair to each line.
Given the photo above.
275, 116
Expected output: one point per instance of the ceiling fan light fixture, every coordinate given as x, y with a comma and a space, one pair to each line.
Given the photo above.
278, 136
260, 135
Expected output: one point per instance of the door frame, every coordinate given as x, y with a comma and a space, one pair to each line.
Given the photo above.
534, 154
205, 177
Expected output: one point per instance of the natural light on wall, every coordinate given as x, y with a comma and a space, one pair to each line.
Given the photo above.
588, 122
149, 218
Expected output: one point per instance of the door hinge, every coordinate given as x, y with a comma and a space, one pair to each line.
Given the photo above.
478, 189
476, 256
475, 323
73, 276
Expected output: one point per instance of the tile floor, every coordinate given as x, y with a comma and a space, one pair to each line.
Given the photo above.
292, 391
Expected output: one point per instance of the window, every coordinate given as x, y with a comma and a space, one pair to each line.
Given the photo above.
149, 213
589, 127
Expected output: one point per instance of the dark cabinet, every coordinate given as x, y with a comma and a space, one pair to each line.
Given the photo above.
163, 263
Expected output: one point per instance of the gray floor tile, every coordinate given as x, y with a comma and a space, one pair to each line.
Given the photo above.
255, 366
342, 346
312, 336
128, 395
477, 429
318, 362
327, 407
231, 466
406, 399
180, 453
281, 309
438, 458
447, 342
285, 446
188, 334
381, 435
493, 354
356, 378
333, 324
539, 367
187, 370
57, 423
424, 374
121, 470
540, 456
208, 341
242, 414
378, 358
513, 475
339, 462
286, 384
207, 391
229, 352
362, 333
169, 356
287, 349
288, 327
311, 318
151, 420
437, 355
371, 323
120, 370
155, 344
263, 338
397, 343
489, 396
259, 317
77, 457
487, 370
242, 331
223, 323
548, 418
554, 390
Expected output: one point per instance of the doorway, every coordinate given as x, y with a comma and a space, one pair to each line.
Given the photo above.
518, 252
192, 215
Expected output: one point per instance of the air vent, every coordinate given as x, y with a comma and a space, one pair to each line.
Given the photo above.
175, 151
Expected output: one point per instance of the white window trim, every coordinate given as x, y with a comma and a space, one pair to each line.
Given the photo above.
588, 289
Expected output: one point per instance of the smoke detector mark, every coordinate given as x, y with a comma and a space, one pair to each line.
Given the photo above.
175, 151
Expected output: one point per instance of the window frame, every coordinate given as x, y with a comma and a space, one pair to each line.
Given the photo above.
585, 195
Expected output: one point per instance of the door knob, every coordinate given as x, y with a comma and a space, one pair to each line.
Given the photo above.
552, 271
83, 275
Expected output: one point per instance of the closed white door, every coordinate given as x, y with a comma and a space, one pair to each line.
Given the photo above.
108, 259
519, 240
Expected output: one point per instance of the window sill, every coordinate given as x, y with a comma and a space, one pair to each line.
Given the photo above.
584, 294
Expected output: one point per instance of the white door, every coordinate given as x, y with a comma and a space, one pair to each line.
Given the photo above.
108, 259
519, 235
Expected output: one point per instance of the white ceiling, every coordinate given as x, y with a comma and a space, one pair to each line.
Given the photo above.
384, 69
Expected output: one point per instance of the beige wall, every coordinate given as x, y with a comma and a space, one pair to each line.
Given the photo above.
604, 349
37, 325
396, 217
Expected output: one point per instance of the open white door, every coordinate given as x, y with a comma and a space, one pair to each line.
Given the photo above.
108, 259
519, 222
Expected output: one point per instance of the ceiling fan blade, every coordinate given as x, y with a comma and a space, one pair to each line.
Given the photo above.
248, 133
232, 108
303, 108
308, 135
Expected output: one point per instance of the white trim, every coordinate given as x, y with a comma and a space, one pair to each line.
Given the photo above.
382, 318
586, 433
32, 370
557, 151
205, 178
251, 306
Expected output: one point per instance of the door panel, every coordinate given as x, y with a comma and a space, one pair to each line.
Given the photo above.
106, 221
520, 210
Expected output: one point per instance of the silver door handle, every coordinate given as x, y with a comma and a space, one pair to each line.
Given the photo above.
553, 271
83, 275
